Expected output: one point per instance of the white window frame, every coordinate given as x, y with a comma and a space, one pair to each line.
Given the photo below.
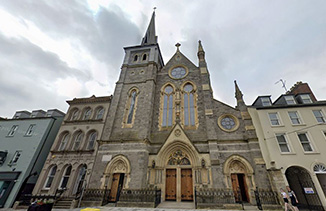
50, 175
278, 119
266, 99
298, 117
309, 142
290, 100
286, 142
306, 97
322, 115
12, 131
30, 130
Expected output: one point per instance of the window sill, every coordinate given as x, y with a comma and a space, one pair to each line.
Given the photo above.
311, 153
276, 126
288, 153
297, 125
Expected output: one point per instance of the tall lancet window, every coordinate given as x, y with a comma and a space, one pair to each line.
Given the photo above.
131, 107
189, 105
167, 115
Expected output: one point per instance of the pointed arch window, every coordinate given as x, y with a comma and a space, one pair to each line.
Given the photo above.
189, 105
167, 115
130, 108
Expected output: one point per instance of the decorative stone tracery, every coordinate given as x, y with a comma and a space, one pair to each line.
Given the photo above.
179, 158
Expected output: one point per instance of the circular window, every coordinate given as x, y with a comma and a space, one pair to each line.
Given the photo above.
178, 72
228, 122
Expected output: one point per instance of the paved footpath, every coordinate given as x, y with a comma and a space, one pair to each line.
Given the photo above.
119, 209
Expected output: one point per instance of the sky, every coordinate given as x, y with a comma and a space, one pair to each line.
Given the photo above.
53, 51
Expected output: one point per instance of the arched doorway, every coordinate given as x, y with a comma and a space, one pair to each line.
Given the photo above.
239, 173
117, 175
179, 179
301, 183
320, 171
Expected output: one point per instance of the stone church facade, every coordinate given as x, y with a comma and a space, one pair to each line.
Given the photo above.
166, 132
165, 138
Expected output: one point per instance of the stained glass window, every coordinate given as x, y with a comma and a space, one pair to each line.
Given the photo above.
167, 106
189, 105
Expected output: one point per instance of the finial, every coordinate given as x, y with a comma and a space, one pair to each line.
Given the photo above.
154, 9
178, 45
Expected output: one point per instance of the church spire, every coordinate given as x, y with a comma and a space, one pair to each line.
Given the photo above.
238, 93
201, 52
150, 36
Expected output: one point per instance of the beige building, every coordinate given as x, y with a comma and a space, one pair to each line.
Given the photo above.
292, 137
71, 159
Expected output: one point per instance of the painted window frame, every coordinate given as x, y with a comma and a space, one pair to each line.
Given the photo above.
264, 101
306, 99
289, 99
286, 143
309, 141
322, 115
278, 119
297, 117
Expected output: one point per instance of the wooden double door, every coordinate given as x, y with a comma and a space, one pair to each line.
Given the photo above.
239, 187
174, 183
116, 187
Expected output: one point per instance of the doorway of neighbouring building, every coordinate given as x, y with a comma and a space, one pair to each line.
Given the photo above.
186, 185
116, 187
171, 185
239, 187
300, 182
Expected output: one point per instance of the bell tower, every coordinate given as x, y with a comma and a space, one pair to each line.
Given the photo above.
131, 111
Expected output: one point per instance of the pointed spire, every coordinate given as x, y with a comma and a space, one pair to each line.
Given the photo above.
238, 93
150, 36
201, 52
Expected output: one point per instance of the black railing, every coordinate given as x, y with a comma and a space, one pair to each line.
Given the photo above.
195, 199
106, 195
157, 196
214, 196
258, 202
139, 195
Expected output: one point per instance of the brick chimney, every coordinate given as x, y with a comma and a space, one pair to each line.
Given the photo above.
302, 88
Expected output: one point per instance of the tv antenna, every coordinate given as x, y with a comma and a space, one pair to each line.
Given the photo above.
283, 84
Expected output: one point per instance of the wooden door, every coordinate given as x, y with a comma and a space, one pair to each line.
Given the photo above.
114, 188
171, 184
243, 187
235, 187
186, 185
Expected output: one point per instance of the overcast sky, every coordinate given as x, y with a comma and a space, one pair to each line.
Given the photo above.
53, 51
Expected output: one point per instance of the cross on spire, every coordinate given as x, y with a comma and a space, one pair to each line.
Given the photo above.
178, 45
